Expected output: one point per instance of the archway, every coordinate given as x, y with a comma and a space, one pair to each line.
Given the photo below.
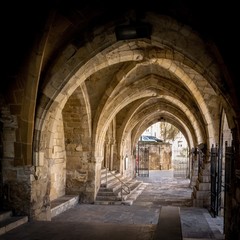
130, 76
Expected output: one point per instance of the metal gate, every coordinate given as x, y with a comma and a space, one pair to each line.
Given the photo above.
181, 169
229, 171
229, 159
216, 180
142, 162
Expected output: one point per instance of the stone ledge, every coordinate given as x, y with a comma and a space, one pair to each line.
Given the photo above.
63, 203
11, 222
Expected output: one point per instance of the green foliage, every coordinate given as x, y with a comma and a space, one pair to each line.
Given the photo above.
168, 132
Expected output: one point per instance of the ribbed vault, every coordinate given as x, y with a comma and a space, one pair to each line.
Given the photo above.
82, 94
171, 67
115, 89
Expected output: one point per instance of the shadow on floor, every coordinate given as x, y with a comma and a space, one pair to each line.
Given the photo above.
137, 221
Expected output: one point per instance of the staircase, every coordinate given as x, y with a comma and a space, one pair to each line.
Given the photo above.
9, 222
115, 189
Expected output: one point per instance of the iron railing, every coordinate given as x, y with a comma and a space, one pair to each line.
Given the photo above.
124, 186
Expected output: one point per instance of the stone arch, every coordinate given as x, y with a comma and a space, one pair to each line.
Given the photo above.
177, 104
144, 123
169, 119
119, 101
68, 73
125, 58
162, 37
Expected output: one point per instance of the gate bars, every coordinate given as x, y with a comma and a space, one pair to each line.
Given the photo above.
216, 180
143, 160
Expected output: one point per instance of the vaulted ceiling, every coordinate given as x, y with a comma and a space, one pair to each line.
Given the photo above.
170, 70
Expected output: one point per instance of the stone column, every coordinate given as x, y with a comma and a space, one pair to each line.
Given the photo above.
194, 170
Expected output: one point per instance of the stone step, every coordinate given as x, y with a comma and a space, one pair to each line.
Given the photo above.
203, 178
9, 222
63, 203
113, 194
108, 172
106, 202
105, 192
201, 194
134, 185
114, 185
198, 200
203, 186
134, 194
5, 214
116, 196
111, 179
108, 198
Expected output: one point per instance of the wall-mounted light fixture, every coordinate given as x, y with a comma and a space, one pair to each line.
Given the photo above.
133, 31
161, 119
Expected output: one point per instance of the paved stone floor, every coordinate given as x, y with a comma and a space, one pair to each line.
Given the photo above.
136, 222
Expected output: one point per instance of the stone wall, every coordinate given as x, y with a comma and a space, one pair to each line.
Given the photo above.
15, 180
160, 155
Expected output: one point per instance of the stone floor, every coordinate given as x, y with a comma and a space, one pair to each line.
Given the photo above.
137, 221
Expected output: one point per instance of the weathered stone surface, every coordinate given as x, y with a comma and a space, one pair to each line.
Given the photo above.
160, 155
78, 99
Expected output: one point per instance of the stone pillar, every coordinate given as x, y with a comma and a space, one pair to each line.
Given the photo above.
116, 161
40, 200
194, 170
107, 154
97, 169
111, 156
16, 179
